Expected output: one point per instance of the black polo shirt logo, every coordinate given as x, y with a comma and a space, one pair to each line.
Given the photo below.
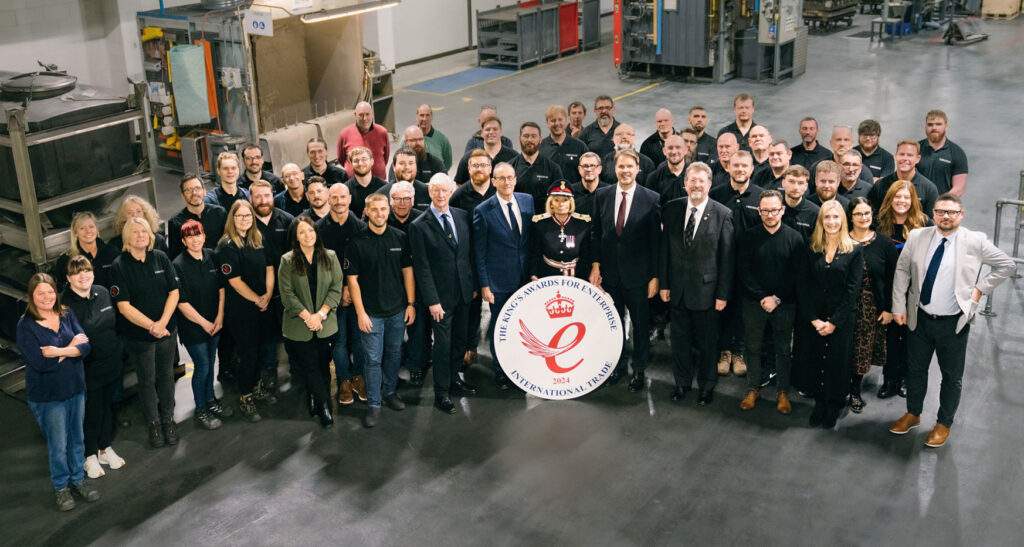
106, 308
226, 269
114, 291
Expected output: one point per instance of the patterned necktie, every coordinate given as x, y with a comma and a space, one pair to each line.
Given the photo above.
448, 230
512, 219
688, 232
933, 270
620, 220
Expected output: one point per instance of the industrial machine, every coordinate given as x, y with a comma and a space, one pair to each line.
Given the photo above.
710, 40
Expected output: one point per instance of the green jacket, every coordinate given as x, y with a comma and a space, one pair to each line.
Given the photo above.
295, 297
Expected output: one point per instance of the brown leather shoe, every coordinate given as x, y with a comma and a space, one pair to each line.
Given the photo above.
359, 387
937, 437
739, 366
907, 422
724, 363
748, 401
783, 405
345, 393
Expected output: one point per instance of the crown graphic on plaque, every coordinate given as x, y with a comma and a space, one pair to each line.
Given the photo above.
559, 306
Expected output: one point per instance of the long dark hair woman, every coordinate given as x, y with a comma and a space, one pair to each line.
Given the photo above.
94, 310
242, 259
311, 284
874, 302
53, 344
201, 317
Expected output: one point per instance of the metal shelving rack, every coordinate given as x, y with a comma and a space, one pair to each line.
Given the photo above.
515, 36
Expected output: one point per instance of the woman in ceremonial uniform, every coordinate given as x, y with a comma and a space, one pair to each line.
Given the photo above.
560, 236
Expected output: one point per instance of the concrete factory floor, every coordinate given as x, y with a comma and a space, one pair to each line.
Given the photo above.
614, 468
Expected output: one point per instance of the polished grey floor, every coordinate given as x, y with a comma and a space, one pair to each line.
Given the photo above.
613, 468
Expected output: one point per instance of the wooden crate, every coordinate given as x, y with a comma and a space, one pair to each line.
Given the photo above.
1000, 9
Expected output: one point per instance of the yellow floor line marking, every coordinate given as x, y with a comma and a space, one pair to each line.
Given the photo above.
642, 89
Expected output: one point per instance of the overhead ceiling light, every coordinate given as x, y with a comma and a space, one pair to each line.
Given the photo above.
347, 11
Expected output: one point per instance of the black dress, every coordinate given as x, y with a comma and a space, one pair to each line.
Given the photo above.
559, 249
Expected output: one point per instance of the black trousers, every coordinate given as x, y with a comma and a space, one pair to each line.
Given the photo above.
450, 344
99, 416
312, 359
635, 300
936, 336
732, 335
895, 368
475, 315
694, 333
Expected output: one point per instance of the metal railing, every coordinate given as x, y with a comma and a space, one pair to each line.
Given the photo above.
1018, 226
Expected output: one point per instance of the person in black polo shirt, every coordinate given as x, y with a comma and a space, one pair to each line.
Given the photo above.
468, 196
767, 263
383, 294
242, 258
274, 226
577, 114
400, 197
493, 144
691, 139
759, 140
212, 217
590, 180
809, 151
850, 184
878, 159
908, 157
598, 135
669, 178
624, 137
942, 161
143, 285
252, 156
727, 146
779, 156
200, 319
293, 200
337, 229
707, 144
316, 151
426, 163
564, 149
316, 195
228, 191
800, 214
137, 207
478, 140
743, 107
403, 166
826, 183
653, 144
534, 171
841, 141
85, 240
362, 183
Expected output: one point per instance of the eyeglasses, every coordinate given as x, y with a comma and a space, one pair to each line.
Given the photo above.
244, 217
192, 189
503, 179
946, 213
252, 158
403, 200
770, 212
479, 165
862, 214
589, 166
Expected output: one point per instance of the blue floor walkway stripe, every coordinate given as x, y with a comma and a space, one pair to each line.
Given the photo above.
459, 80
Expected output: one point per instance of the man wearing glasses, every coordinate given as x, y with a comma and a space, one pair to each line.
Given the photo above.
598, 135
252, 156
767, 261
935, 293
212, 217
590, 180
850, 184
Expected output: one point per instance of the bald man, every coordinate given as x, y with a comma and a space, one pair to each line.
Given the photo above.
369, 134
437, 143
427, 164
727, 146
624, 137
653, 145
841, 141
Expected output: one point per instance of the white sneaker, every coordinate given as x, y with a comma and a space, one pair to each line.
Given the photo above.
92, 467
110, 458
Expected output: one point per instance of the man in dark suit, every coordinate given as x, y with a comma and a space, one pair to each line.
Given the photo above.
501, 232
696, 277
442, 240
624, 240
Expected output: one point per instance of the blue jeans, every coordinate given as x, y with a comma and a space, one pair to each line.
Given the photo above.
203, 356
61, 423
382, 347
344, 367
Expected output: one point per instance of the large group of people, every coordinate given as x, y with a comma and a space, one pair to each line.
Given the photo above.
799, 265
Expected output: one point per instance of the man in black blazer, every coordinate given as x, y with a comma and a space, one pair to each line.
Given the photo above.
442, 242
696, 277
624, 240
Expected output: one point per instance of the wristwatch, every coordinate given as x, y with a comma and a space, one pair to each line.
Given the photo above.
778, 301
322, 315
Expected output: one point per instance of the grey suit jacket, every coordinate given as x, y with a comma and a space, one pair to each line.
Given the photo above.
973, 250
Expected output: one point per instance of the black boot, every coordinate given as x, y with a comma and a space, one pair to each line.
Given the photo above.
324, 414
857, 403
890, 387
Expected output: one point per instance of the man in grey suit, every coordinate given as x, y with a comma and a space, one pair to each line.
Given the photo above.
935, 293
696, 274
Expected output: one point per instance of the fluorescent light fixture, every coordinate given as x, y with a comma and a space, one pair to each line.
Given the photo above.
354, 9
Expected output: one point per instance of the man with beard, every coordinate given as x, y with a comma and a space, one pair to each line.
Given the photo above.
367, 134
478, 140
436, 141
841, 141
426, 163
598, 135
878, 159
273, 225
707, 145
293, 199
692, 139
942, 161
826, 183
227, 192
363, 181
760, 139
252, 155
727, 146
490, 132
743, 107
534, 171
564, 149
212, 217
907, 157
590, 180
809, 151
316, 151
337, 230
800, 213
779, 156
403, 166
669, 178
624, 137
316, 195
653, 145
577, 113
850, 185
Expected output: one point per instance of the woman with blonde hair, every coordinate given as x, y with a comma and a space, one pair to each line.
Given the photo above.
136, 207
831, 279
243, 261
560, 237
85, 241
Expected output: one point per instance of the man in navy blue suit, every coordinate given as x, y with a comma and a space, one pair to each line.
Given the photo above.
501, 234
